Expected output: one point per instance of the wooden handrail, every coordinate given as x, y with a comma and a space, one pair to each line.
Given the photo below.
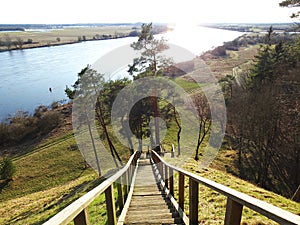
235, 200
77, 210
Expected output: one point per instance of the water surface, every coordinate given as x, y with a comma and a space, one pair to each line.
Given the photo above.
26, 75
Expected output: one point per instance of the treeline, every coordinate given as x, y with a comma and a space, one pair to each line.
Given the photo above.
251, 39
252, 27
9, 42
263, 114
258, 38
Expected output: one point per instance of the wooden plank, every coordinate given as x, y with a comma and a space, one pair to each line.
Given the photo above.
82, 218
149, 204
181, 191
182, 215
233, 214
110, 206
193, 201
128, 199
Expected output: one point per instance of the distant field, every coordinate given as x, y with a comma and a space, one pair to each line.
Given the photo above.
49, 37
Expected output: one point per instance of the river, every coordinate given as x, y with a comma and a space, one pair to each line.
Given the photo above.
26, 75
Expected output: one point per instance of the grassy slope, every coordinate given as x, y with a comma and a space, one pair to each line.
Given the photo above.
212, 204
46, 176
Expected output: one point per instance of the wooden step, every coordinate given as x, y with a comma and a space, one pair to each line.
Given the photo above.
149, 205
141, 219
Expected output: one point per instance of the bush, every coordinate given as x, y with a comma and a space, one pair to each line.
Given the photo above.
219, 51
4, 138
55, 105
7, 169
48, 122
134, 33
24, 126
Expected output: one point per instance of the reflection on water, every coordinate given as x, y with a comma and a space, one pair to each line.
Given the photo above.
26, 75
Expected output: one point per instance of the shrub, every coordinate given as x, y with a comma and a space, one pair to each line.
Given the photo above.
55, 105
219, 51
4, 138
38, 112
7, 169
133, 33
48, 122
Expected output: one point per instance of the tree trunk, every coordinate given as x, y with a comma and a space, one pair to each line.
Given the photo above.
113, 151
296, 196
93, 144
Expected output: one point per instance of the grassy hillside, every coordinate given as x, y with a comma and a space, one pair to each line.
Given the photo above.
212, 204
47, 179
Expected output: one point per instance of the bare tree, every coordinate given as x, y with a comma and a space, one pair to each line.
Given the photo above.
204, 119
8, 41
19, 43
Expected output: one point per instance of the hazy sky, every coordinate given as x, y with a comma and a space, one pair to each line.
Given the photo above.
98, 11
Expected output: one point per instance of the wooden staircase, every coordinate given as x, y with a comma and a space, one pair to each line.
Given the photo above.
147, 189
149, 204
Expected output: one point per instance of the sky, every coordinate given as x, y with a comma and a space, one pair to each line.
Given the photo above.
119, 11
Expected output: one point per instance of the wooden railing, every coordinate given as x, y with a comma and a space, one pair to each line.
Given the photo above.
235, 200
77, 211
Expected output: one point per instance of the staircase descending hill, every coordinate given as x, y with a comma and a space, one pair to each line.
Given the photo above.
149, 205
146, 186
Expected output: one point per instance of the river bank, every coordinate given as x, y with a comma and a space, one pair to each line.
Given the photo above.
37, 38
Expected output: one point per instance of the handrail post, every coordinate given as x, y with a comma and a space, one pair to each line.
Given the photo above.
125, 186
233, 214
166, 176
171, 181
161, 170
110, 206
129, 176
194, 201
181, 191
120, 194
82, 218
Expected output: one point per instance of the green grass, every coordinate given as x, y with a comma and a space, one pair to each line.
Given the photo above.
212, 204
47, 179
46, 167
97, 209
49, 176
188, 85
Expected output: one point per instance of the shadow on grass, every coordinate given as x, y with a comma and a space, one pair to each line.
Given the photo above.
60, 203
3, 184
